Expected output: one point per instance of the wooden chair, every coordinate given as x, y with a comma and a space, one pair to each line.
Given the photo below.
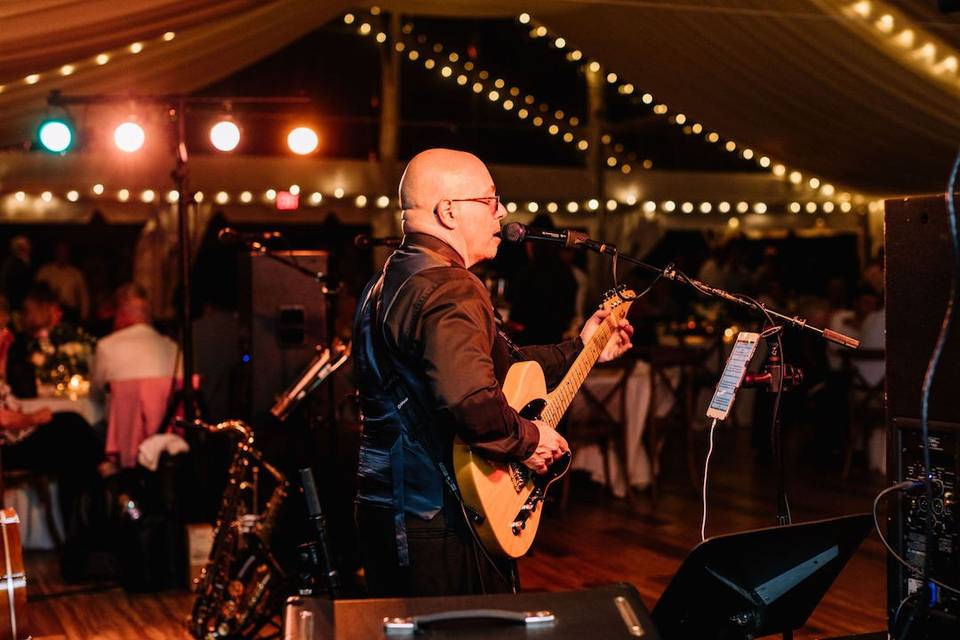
604, 425
865, 402
673, 373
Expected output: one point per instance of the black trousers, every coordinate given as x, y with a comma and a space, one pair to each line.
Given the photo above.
444, 559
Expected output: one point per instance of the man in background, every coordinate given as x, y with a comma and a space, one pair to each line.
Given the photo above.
140, 366
67, 282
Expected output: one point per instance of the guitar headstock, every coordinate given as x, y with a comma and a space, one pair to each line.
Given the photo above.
615, 298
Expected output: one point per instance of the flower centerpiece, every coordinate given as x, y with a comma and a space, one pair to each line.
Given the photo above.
61, 358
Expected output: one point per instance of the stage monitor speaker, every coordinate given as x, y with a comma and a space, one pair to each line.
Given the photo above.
918, 278
613, 611
283, 318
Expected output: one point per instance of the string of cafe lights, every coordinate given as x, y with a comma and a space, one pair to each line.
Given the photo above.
940, 62
99, 60
649, 208
779, 169
559, 124
449, 64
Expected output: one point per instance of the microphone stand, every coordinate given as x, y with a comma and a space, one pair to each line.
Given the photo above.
670, 272
776, 372
259, 247
774, 376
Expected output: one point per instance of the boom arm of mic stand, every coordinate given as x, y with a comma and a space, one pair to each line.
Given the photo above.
263, 250
670, 273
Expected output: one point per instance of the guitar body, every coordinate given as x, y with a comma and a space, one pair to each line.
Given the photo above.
501, 490
507, 496
13, 580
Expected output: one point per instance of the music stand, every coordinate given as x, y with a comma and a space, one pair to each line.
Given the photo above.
756, 583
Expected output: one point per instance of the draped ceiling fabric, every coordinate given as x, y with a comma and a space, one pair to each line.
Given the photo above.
799, 80
218, 37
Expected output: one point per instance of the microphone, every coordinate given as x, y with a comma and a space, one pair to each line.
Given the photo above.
516, 232
229, 235
363, 241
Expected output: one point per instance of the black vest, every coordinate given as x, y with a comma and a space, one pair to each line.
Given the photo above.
401, 462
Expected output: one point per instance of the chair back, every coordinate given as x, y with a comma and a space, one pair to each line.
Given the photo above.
137, 410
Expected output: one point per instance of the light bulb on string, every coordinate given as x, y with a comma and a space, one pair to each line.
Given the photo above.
129, 137
303, 140
225, 135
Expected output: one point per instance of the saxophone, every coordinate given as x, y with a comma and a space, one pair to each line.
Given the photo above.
238, 590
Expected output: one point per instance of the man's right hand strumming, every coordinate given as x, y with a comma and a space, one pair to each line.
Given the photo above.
552, 445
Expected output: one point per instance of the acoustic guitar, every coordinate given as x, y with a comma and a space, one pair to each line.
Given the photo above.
13, 579
507, 496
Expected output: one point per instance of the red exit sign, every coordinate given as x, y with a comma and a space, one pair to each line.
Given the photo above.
287, 201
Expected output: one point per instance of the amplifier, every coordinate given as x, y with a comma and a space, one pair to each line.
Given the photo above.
907, 529
614, 611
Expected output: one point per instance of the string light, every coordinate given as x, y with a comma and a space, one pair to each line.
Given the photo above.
647, 208
898, 31
948, 65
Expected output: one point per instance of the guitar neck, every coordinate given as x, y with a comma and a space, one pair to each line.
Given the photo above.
558, 401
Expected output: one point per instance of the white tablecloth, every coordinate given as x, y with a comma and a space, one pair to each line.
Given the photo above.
90, 409
637, 391
34, 531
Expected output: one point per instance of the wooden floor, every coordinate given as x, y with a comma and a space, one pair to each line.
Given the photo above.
598, 540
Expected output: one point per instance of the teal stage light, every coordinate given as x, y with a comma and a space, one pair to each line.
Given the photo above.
56, 136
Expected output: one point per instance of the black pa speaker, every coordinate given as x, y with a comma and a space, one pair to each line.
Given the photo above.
918, 266
919, 262
283, 319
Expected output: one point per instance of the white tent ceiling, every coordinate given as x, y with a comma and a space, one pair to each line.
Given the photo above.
809, 82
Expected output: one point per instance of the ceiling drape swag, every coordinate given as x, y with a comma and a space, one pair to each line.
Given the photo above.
799, 80
195, 58
36, 35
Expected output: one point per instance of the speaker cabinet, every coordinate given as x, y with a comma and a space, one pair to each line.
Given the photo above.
283, 318
919, 262
918, 266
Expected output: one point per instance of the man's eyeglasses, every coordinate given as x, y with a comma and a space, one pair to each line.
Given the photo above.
491, 201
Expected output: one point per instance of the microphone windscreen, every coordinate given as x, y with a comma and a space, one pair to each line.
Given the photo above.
513, 232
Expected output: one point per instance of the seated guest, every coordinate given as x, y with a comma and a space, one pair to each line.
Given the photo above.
61, 445
139, 367
42, 324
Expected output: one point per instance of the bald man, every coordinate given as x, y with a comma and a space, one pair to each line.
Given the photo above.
135, 350
429, 365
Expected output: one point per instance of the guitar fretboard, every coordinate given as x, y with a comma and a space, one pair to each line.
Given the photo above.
560, 398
